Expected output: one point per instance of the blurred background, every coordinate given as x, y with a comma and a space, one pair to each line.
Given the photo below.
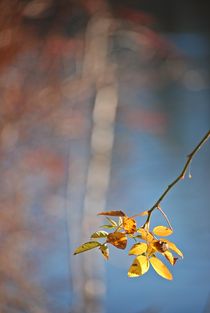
100, 103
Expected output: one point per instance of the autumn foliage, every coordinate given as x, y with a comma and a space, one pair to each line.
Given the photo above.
146, 249
149, 245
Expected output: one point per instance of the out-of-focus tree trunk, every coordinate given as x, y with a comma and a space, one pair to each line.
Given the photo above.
99, 72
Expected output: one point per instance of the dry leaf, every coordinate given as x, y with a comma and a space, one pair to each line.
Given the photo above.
105, 251
129, 225
112, 213
169, 256
160, 246
117, 239
173, 247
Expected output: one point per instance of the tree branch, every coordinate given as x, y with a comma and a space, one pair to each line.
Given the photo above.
183, 172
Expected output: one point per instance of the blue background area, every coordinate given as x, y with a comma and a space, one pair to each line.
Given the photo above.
138, 180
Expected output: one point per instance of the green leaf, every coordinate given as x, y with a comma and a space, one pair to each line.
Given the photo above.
99, 234
105, 251
108, 226
137, 236
87, 246
112, 222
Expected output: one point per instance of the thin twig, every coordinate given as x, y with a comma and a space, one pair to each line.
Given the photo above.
165, 216
183, 172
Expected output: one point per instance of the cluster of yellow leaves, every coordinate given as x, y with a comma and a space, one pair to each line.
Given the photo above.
145, 251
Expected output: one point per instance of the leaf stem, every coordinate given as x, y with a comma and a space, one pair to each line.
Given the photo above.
183, 172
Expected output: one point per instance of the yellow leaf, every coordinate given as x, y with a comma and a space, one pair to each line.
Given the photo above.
162, 231
129, 225
99, 234
138, 248
87, 246
139, 266
169, 256
145, 235
105, 251
130, 235
151, 249
117, 239
173, 247
112, 213
160, 268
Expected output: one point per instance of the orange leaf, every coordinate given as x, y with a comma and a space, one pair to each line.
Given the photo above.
145, 235
160, 245
129, 225
117, 239
112, 213
151, 249
162, 231
168, 255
